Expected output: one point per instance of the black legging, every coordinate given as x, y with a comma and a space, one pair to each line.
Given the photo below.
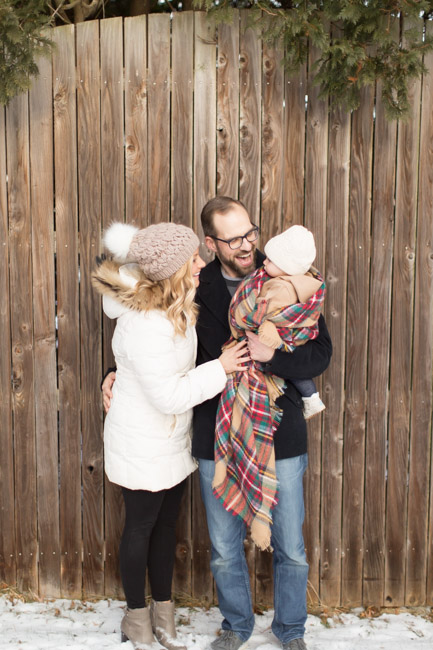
149, 541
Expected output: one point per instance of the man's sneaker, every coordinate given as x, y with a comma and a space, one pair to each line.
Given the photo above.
294, 644
312, 405
228, 640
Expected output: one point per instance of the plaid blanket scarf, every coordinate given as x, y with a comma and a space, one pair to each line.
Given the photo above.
245, 478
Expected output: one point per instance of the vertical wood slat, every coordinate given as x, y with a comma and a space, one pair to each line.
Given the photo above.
183, 556
425, 211
356, 349
136, 212
401, 351
181, 212
204, 183
250, 90
112, 120
294, 148
421, 401
89, 209
316, 132
42, 202
204, 172
20, 256
136, 156
378, 355
68, 360
335, 313
158, 116
270, 221
250, 84
8, 558
182, 117
113, 207
228, 108
335, 310
272, 142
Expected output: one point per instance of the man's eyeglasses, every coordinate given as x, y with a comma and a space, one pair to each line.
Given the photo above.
236, 242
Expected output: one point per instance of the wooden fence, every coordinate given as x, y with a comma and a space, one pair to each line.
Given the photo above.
144, 119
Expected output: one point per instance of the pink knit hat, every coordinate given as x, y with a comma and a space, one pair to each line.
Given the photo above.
159, 250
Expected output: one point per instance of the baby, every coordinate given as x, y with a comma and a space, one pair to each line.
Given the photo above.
289, 258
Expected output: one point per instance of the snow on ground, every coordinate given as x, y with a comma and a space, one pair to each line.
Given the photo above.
62, 624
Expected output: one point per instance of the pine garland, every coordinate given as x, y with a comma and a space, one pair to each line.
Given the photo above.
358, 43
21, 42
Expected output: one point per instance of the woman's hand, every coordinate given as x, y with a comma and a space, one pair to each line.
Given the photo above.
106, 388
235, 357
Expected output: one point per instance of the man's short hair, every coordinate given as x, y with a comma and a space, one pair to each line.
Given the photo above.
220, 204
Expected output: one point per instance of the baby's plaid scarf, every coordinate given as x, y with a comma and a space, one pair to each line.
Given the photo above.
245, 479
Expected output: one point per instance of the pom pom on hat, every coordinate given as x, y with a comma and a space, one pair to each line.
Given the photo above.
118, 238
293, 251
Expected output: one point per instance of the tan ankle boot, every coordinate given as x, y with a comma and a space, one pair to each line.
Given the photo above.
162, 617
137, 628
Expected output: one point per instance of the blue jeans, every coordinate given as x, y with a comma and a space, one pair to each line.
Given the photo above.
229, 566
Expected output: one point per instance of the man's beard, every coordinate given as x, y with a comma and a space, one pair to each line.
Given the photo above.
240, 271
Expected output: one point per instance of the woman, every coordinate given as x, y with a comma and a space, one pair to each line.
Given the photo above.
149, 287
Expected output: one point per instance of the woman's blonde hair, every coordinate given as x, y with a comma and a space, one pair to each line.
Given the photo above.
175, 296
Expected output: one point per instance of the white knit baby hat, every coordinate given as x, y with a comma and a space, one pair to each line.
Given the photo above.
293, 251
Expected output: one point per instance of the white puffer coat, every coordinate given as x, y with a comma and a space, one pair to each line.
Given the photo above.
147, 430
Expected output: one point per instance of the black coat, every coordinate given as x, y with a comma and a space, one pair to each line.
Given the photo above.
306, 361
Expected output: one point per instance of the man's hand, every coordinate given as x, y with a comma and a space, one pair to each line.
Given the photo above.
106, 388
258, 350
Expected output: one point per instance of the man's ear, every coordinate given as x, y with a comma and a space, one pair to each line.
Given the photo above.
210, 243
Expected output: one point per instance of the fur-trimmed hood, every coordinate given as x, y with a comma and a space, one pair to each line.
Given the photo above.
121, 283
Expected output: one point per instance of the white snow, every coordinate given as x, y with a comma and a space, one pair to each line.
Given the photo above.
80, 625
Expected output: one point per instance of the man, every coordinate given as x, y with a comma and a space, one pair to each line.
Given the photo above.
230, 234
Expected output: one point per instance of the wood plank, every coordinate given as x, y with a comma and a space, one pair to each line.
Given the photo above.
182, 102
202, 582
68, 364
228, 107
204, 179
335, 310
7, 502
315, 220
401, 351
89, 206
356, 349
295, 88
22, 342
158, 135
112, 120
250, 145
418, 552
294, 148
113, 209
42, 201
135, 39
270, 222
182, 583
182, 112
250, 117
379, 319
272, 142
425, 211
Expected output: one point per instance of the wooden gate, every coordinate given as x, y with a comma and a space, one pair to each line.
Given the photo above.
144, 119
